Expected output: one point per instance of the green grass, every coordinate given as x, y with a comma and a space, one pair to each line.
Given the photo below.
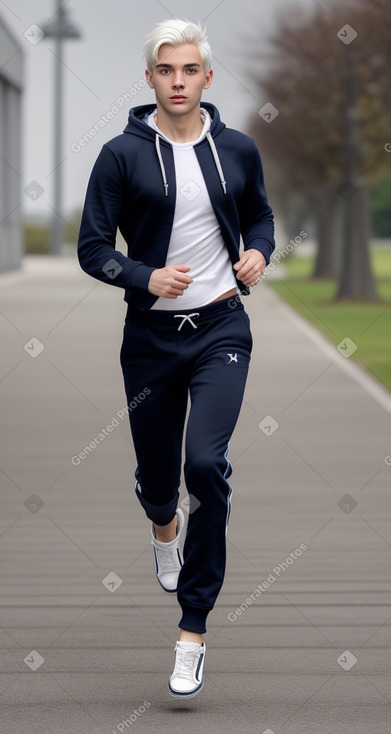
368, 325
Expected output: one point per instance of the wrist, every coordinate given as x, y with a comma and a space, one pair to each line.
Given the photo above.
140, 276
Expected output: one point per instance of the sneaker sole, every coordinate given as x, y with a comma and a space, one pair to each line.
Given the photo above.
178, 694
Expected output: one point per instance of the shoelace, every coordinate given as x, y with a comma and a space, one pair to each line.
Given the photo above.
185, 663
168, 559
186, 317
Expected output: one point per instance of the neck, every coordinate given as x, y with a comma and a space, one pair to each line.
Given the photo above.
181, 129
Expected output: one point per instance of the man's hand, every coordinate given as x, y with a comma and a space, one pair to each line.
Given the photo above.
169, 282
250, 267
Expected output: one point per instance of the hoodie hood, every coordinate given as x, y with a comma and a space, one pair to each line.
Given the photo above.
137, 126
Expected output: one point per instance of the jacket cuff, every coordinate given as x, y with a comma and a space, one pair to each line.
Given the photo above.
262, 246
140, 276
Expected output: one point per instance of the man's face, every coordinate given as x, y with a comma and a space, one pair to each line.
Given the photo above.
178, 78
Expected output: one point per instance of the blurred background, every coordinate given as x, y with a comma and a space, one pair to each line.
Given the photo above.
309, 80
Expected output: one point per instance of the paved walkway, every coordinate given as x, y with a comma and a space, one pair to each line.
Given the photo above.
309, 535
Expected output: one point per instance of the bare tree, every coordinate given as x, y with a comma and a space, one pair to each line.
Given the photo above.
328, 78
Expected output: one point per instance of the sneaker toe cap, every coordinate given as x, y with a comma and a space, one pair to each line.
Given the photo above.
179, 685
169, 581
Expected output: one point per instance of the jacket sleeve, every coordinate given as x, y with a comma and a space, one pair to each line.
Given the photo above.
101, 213
256, 216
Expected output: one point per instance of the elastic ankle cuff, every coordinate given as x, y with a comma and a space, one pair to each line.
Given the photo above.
193, 618
159, 514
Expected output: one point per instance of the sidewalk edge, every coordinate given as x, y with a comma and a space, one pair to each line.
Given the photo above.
370, 385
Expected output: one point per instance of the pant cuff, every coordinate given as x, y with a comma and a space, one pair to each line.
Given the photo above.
193, 618
159, 514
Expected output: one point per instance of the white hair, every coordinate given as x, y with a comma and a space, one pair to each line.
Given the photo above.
176, 32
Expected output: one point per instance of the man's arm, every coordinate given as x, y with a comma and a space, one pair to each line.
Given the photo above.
255, 212
256, 225
102, 210
96, 247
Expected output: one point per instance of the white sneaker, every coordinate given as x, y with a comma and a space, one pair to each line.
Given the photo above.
188, 676
168, 557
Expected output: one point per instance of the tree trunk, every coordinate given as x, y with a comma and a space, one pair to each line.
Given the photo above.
356, 282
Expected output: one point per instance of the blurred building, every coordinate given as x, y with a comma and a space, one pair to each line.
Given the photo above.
11, 81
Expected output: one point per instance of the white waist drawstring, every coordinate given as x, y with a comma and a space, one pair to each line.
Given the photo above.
186, 317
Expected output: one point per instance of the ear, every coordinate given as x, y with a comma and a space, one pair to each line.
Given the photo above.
208, 79
149, 79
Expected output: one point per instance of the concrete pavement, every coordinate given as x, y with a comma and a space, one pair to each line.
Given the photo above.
299, 641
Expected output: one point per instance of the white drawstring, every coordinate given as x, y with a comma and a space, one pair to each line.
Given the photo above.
215, 156
217, 161
185, 317
163, 170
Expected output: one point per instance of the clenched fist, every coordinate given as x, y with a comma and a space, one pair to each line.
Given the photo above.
169, 282
250, 267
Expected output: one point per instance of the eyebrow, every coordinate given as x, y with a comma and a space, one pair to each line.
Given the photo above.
169, 66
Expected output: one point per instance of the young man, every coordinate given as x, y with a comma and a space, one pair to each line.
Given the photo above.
182, 188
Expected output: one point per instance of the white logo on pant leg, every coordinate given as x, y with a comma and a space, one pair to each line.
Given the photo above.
232, 357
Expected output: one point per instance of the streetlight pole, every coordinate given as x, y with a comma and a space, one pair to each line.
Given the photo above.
59, 28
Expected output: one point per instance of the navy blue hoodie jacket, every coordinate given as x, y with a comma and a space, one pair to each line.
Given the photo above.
132, 187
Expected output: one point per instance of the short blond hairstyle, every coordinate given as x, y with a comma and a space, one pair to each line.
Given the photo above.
176, 32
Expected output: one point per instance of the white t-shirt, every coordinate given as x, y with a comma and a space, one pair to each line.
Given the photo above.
196, 238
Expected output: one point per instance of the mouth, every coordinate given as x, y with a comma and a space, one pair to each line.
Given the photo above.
178, 98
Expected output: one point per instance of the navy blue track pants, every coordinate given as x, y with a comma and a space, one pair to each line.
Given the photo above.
203, 354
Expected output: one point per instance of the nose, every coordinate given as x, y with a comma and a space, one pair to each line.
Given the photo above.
178, 80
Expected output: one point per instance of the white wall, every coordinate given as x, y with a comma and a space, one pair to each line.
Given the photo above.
11, 77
